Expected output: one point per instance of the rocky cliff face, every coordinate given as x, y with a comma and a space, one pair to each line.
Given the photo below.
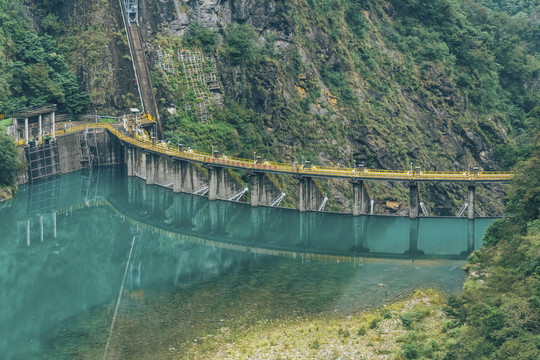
174, 16
333, 83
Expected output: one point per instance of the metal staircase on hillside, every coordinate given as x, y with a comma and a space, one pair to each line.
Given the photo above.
477, 210
237, 195
130, 17
202, 190
407, 210
321, 208
278, 199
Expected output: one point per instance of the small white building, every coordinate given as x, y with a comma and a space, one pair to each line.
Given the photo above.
34, 123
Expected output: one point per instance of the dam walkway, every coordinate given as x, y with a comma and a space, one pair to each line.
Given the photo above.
311, 195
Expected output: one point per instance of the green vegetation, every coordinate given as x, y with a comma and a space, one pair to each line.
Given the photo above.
240, 49
512, 7
498, 314
440, 85
4, 124
199, 37
334, 337
9, 162
32, 69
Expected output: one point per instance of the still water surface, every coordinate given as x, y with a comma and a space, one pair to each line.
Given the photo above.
97, 265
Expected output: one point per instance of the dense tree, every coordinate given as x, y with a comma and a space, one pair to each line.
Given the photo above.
240, 47
200, 37
499, 311
9, 162
32, 70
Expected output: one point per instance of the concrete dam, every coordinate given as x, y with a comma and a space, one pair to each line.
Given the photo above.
190, 171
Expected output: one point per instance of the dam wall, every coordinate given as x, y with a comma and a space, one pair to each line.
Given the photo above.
74, 151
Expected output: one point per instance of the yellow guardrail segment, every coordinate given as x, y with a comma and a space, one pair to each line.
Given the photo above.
274, 181
235, 176
318, 186
199, 166
267, 166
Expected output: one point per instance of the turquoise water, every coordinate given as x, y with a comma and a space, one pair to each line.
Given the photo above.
99, 265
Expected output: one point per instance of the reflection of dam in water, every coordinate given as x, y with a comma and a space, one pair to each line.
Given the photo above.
267, 230
66, 244
287, 230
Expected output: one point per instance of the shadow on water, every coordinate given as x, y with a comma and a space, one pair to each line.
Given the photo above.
195, 266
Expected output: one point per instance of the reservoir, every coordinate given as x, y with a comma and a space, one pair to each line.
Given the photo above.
98, 265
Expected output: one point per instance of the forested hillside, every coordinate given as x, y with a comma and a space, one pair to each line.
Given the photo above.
498, 314
32, 68
444, 84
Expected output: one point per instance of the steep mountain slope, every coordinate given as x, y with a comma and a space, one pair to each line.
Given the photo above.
32, 70
444, 85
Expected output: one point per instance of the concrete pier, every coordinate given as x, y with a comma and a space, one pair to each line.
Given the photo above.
213, 173
311, 197
255, 187
360, 198
178, 178
193, 177
471, 198
163, 171
414, 200
150, 169
128, 158
264, 191
181, 176
222, 185
140, 163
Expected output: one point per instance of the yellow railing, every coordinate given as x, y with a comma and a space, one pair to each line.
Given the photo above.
273, 167
199, 166
234, 175
274, 181
318, 186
